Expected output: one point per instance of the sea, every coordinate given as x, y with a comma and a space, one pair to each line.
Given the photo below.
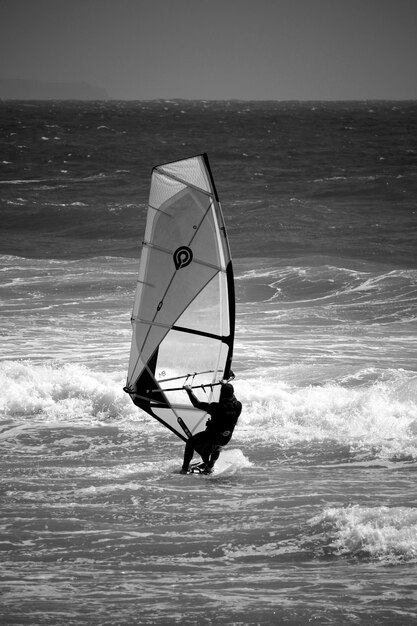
311, 514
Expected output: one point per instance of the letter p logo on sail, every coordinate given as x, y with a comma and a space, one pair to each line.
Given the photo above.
182, 257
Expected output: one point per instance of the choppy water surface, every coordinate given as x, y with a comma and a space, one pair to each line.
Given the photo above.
107, 532
311, 516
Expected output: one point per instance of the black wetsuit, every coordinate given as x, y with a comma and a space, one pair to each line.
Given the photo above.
219, 429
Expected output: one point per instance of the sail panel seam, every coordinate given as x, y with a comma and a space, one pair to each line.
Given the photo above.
184, 182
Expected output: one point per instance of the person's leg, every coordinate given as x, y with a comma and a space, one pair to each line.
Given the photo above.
209, 453
215, 453
195, 443
188, 455
205, 453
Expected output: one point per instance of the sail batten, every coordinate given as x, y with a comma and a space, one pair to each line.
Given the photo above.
181, 329
184, 310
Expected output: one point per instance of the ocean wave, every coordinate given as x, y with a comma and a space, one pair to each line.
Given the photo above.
13, 261
375, 421
67, 394
385, 534
309, 280
23, 181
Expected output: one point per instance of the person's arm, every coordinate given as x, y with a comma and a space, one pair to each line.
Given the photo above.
203, 406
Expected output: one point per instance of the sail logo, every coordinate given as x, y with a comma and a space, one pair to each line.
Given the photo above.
182, 257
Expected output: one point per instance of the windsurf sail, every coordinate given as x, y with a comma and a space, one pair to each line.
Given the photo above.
183, 316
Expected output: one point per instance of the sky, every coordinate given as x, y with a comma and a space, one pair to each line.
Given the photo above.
216, 49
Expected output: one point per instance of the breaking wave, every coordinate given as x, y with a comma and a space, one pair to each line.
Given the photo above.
385, 534
379, 419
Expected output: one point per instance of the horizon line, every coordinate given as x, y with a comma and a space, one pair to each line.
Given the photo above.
180, 99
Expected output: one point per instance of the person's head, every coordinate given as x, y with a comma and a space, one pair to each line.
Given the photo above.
226, 392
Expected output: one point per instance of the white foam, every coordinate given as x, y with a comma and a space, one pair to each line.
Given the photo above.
380, 416
231, 460
386, 534
61, 393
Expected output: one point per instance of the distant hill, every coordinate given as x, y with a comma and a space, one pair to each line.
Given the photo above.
19, 89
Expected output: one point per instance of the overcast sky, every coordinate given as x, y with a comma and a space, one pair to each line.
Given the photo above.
216, 49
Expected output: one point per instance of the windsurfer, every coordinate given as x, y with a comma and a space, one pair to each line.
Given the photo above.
219, 427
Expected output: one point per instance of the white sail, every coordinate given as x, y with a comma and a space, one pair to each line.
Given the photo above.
184, 310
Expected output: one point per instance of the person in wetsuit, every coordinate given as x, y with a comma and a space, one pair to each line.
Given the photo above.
219, 427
